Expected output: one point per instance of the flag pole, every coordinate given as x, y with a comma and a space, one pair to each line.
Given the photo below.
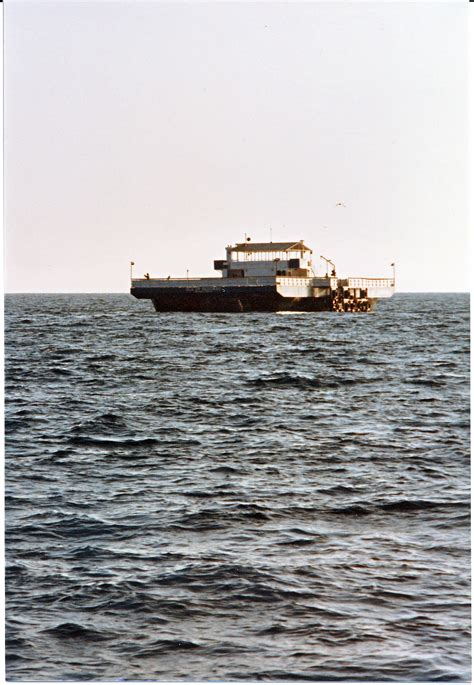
132, 264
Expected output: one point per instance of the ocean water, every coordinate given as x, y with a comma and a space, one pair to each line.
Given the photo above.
237, 497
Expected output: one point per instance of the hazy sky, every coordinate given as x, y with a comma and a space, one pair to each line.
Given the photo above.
161, 132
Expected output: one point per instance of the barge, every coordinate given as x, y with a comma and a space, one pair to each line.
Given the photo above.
265, 277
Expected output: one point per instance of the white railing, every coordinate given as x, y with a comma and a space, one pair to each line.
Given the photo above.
293, 280
262, 281
370, 283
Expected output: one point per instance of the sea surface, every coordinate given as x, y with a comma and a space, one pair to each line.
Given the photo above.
237, 496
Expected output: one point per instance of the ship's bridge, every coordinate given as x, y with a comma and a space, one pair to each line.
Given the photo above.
266, 259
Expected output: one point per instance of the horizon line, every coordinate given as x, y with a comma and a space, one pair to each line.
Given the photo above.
127, 292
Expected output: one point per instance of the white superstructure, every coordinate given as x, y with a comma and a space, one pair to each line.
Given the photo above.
266, 259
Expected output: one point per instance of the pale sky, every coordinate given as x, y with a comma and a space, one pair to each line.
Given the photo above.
161, 132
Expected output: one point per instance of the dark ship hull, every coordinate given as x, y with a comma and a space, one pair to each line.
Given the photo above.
248, 299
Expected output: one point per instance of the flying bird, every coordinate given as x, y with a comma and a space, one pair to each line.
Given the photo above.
340, 204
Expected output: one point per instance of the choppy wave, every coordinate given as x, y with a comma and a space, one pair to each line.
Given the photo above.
251, 497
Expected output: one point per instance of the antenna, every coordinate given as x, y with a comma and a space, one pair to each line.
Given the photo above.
271, 234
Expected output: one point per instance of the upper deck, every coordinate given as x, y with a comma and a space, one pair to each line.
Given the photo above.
266, 259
